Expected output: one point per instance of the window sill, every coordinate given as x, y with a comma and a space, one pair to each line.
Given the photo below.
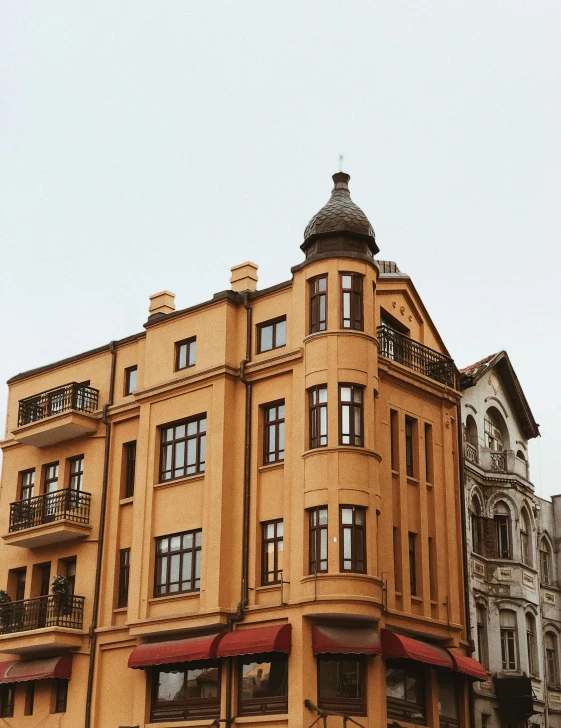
342, 448
268, 718
193, 723
269, 587
173, 597
417, 600
429, 485
395, 473
120, 610
126, 501
271, 466
412, 481
180, 481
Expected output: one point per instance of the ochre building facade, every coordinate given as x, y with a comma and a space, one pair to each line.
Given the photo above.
249, 513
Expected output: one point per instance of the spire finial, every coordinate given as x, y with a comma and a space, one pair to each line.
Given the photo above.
340, 163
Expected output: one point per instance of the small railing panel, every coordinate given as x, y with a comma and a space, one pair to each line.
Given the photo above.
47, 611
470, 452
420, 358
61, 505
498, 462
72, 396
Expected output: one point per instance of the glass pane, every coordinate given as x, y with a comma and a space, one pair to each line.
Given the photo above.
322, 308
357, 423
270, 530
357, 394
163, 570
192, 353
322, 394
346, 515
281, 440
359, 516
322, 284
202, 683
313, 518
345, 394
202, 450
346, 309
281, 411
188, 541
191, 451
198, 538
323, 421
182, 359
347, 548
167, 434
186, 570
180, 455
279, 555
345, 424
202, 425
447, 696
271, 442
411, 688
163, 546
359, 543
323, 545
192, 428
175, 543
346, 281
323, 516
280, 528
179, 432
197, 567
270, 558
174, 568
281, 333
266, 342
171, 686
255, 680
395, 683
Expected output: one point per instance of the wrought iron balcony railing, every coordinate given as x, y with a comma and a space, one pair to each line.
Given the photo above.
420, 358
72, 396
61, 505
48, 611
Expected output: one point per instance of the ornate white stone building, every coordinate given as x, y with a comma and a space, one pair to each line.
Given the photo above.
513, 567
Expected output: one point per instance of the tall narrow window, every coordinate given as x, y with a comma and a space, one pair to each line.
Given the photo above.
508, 639
7, 698
493, 433
20, 584
27, 484
273, 440
124, 573
263, 684
130, 468
351, 301
61, 695
531, 644
318, 540
51, 478
29, 698
353, 539
341, 683
433, 581
185, 353
525, 548
318, 304
429, 474
273, 544
405, 691
71, 575
545, 562
394, 440
183, 448
552, 659
178, 563
482, 645
410, 432
502, 531
476, 526
397, 559
271, 335
448, 699
350, 415
76, 472
130, 379
186, 691
413, 563
318, 416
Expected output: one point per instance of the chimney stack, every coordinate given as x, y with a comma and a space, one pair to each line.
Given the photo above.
162, 303
244, 277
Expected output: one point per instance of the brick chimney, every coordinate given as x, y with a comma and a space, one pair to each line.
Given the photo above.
244, 277
162, 303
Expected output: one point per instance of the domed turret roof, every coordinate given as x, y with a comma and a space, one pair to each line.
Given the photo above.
340, 214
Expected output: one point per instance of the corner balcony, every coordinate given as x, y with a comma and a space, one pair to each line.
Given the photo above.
41, 624
496, 461
56, 415
415, 356
48, 519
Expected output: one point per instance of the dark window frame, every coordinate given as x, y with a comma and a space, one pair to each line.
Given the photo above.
358, 532
264, 705
482, 640
403, 709
130, 380
190, 345
191, 708
61, 695
29, 697
277, 425
413, 561
275, 540
503, 543
124, 578
199, 436
273, 323
394, 440
429, 454
196, 558
410, 450
355, 297
317, 438
48, 479
129, 449
318, 300
348, 706
76, 476
7, 700
317, 532
355, 440
26, 490
20, 578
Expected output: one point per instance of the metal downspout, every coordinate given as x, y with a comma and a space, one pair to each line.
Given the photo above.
97, 588
240, 612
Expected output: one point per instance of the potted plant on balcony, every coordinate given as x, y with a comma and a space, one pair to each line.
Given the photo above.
62, 597
5, 610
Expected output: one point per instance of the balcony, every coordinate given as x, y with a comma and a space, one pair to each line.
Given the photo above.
420, 358
56, 415
41, 624
50, 518
496, 461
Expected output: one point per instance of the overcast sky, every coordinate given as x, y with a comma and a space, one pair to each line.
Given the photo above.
151, 145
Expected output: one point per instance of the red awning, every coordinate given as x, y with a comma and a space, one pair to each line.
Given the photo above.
23, 670
253, 640
468, 666
397, 645
165, 653
345, 641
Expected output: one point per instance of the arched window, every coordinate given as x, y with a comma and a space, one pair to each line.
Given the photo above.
470, 447
496, 437
476, 526
520, 455
546, 569
502, 531
531, 644
508, 639
525, 541
482, 644
552, 658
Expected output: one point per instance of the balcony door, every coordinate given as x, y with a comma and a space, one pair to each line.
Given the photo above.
44, 587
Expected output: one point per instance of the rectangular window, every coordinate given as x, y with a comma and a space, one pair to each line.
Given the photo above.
185, 353
318, 540
273, 439
130, 379
353, 539
508, 639
186, 691
481, 614
502, 536
76, 472
318, 304
61, 695
410, 427
341, 684
29, 698
350, 415
51, 478
405, 691
271, 335
272, 562
178, 563
394, 440
20, 584
413, 563
429, 476
124, 574
130, 468
318, 416
7, 698
351, 301
27, 484
263, 684
433, 581
448, 700
71, 574
183, 448
397, 560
